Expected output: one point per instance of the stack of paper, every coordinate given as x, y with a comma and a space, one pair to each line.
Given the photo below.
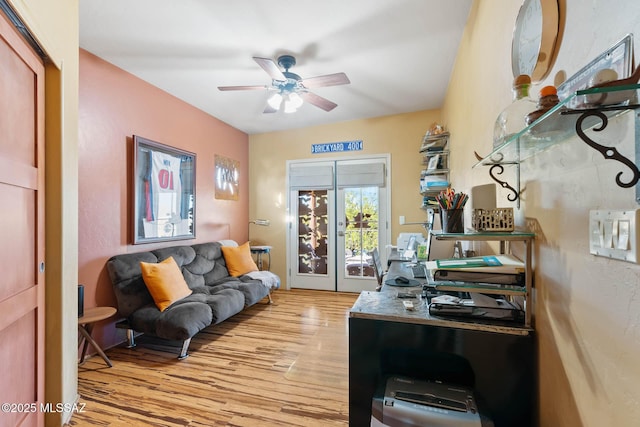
498, 269
479, 306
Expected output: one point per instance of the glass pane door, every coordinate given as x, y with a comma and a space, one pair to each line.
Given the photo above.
312, 232
361, 230
359, 225
313, 247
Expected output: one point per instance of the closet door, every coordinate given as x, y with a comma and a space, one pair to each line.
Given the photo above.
22, 230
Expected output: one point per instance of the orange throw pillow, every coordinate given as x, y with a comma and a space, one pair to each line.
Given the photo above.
239, 260
165, 282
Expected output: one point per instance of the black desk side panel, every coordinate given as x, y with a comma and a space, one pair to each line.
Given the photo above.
500, 367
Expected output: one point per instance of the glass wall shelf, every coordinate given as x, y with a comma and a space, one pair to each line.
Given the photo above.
558, 124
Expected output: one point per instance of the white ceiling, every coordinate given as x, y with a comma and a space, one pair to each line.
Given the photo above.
398, 54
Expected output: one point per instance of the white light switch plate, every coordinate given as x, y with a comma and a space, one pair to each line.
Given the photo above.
614, 234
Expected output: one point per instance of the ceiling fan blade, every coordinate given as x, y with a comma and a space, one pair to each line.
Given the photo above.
255, 87
269, 109
270, 67
318, 101
326, 80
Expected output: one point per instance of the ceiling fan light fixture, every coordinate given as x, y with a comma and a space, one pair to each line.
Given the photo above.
292, 102
274, 101
295, 100
289, 107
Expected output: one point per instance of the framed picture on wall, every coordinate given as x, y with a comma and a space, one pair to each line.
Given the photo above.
164, 198
227, 178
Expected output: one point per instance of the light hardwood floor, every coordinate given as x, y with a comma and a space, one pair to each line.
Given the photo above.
284, 364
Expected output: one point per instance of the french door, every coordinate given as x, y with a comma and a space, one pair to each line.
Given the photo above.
339, 214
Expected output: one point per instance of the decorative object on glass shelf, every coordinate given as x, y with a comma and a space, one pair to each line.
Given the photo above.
512, 119
618, 58
435, 129
548, 99
499, 219
607, 79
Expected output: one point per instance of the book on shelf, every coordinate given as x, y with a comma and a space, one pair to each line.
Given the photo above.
484, 261
486, 287
487, 264
494, 269
511, 279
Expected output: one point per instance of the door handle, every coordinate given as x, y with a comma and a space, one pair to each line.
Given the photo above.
341, 233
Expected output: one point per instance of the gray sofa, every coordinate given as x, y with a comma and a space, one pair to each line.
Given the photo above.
216, 295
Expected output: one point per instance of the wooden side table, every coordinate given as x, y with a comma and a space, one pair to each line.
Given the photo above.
259, 251
85, 327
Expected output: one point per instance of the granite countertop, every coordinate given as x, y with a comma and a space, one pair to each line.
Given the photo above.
385, 305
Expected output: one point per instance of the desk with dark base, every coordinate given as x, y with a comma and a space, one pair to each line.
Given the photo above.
497, 360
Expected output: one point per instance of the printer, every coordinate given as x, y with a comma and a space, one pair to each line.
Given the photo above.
408, 402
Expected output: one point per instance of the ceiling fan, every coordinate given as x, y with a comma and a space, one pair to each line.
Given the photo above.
291, 89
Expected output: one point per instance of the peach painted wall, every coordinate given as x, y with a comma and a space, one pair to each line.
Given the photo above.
114, 106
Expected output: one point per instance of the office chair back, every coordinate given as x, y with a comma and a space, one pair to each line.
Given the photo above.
377, 267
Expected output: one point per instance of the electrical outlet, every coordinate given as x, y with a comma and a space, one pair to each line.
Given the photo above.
613, 234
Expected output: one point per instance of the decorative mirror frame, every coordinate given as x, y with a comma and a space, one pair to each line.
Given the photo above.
164, 198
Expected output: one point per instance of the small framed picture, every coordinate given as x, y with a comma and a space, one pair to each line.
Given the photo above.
227, 178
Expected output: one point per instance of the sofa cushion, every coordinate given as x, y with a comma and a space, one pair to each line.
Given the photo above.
183, 320
224, 303
253, 290
165, 282
207, 266
183, 255
126, 276
239, 260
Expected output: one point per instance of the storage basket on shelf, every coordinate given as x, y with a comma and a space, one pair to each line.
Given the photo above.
499, 219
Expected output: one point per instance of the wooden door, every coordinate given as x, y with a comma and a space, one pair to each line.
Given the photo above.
21, 230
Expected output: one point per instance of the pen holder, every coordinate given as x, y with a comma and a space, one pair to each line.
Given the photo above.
452, 220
